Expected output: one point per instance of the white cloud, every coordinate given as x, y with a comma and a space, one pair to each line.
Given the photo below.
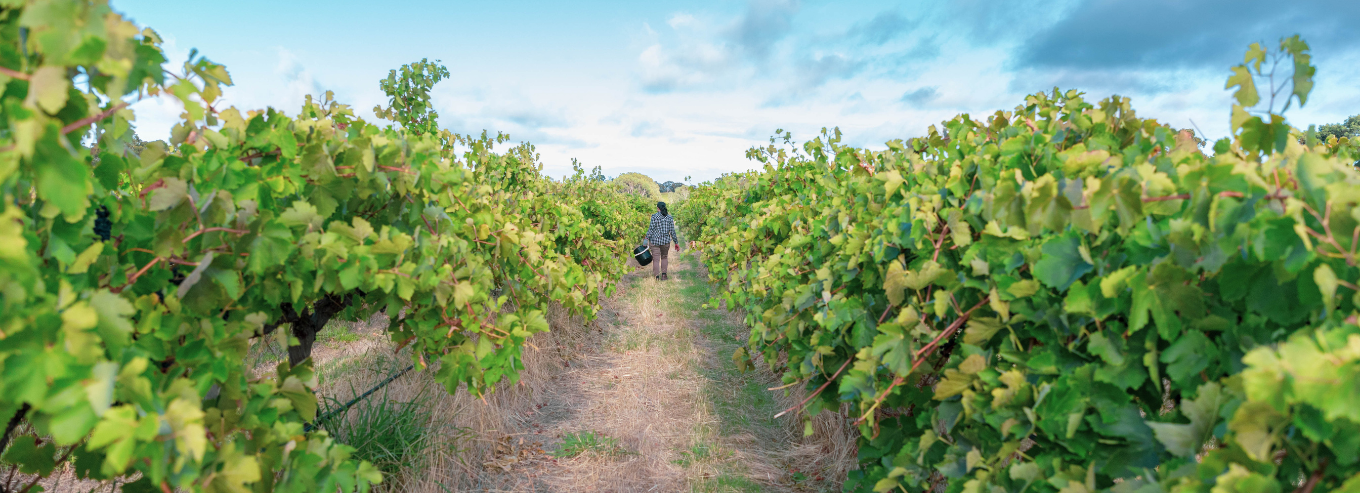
156, 116
687, 66
680, 20
698, 55
298, 83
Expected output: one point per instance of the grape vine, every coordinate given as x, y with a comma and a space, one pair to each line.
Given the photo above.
133, 283
1065, 297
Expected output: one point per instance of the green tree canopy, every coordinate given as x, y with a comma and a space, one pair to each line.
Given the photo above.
637, 184
1350, 128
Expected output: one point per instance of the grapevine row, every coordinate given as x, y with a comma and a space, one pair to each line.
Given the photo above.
132, 284
1064, 297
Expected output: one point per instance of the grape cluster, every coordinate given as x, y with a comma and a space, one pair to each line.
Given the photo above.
103, 227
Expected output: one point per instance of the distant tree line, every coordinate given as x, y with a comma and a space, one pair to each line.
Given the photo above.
1348, 128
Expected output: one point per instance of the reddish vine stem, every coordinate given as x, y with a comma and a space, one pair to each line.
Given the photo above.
1167, 197
940, 241
257, 155
399, 170
1329, 238
818, 391
92, 118
936, 256
920, 358
209, 230
147, 190
14, 73
953, 327
139, 273
531, 266
878, 400
885, 313
1355, 238
460, 202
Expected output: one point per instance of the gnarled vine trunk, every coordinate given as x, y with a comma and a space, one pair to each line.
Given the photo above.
311, 321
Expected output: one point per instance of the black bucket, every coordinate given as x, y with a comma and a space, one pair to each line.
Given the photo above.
642, 254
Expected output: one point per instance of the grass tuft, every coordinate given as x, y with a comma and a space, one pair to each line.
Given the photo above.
395, 435
336, 335
574, 444
696, 453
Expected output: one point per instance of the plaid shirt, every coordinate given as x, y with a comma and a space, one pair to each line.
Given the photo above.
662, 230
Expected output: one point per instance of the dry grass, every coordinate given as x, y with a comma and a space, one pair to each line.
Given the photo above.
831, 451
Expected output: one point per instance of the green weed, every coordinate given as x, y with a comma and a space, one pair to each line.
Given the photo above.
336, 333
728, 482
336, 337
392, 434
574, 444
696, 453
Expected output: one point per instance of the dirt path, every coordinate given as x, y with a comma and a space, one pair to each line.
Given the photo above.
652, 402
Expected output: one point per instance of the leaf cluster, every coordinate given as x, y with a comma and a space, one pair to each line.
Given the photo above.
408, 95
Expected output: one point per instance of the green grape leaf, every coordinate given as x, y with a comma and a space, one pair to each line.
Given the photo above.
980, 330
48, 88
62, 177
1186, 440
173, 191
894, 284
1062, 263
302, 399
32, 458
893, 347
302, 213
1246, 86
109, 170
236, 474
1255, 427
953, 383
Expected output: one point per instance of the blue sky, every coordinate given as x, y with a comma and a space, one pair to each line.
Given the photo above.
675, 89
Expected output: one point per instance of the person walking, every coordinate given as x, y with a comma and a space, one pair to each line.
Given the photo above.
659, 236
